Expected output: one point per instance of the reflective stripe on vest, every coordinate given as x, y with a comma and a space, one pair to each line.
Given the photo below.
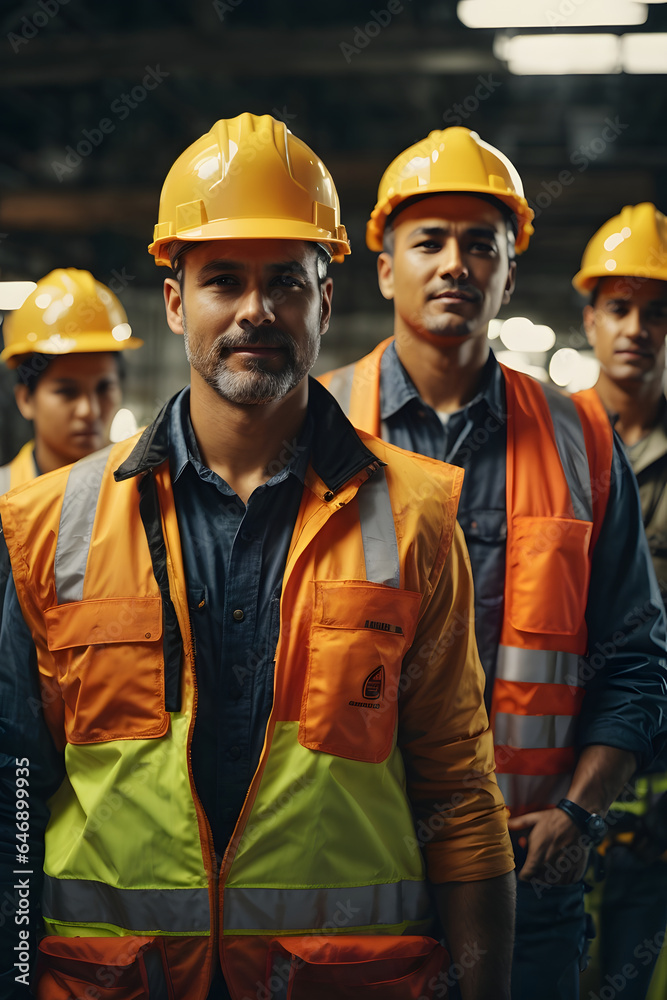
143, 911
5, 477
572, 452
342, 906
528, 792
378, 531
340, 387
76, 525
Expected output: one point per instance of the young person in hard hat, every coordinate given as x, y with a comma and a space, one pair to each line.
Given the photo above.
249, 642
551, 520
65, 343
624, 274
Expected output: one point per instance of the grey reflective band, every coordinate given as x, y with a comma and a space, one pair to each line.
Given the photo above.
340, 387
533, 732
5, 477
144, 911
321, 908
538, 666
528, 790
76, 525
378, 531
571, 446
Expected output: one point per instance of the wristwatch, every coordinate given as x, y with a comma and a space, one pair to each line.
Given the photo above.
592, 824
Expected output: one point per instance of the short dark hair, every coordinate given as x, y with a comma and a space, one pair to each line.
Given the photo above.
33, 366
177, 250
511, 221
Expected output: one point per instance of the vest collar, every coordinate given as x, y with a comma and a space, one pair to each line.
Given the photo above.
337, 454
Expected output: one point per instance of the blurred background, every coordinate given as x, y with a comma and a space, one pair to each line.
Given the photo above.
572, 91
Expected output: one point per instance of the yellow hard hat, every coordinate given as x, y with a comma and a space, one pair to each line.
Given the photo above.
632, 244
249, 178
457, 160
69, 312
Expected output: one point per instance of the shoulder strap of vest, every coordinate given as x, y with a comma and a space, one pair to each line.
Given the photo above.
356, 389
556, 433
599, 438
5, 477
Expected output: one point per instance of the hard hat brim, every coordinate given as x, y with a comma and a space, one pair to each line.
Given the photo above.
585, 280
90, 343
251, 229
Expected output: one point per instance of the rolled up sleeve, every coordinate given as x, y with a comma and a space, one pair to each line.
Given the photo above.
445, 738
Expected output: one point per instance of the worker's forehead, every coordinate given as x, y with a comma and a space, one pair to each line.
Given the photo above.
251, 251
451, 209
633, 289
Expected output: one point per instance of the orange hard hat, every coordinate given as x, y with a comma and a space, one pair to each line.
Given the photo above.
453, 159
249, 178
69, 312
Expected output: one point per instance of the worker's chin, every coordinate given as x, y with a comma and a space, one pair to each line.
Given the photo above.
443, 336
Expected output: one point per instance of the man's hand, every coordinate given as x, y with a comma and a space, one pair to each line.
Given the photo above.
554, 840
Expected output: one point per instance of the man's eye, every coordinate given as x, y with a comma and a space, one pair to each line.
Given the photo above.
288, 281
481, 247
429, 245
222, 279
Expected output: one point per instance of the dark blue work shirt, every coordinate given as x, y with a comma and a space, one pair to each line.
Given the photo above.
474, 438
234, 556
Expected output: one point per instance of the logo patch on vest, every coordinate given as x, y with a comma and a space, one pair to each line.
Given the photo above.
372, 690
383, 626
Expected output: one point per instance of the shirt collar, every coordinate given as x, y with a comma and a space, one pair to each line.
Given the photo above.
397, 388
184, 448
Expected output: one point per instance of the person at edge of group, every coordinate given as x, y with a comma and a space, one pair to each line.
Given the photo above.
218, 827
65, 343
624, 275
551, 517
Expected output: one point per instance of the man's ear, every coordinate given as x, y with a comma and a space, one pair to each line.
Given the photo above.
24, 401
510, 283
325, 310
589, 324
386, 275
173, 303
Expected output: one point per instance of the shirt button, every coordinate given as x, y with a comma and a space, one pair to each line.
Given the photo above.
234, 753
238, 615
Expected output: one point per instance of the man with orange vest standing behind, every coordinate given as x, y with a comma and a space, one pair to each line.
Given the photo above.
568, 616
624, 276
65, 343
232, 735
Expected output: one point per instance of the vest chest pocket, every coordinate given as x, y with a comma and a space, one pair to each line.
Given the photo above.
110, 668
548, 570
360, 635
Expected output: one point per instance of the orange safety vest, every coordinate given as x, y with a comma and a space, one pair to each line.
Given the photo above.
20, 470
131, 899
558, 471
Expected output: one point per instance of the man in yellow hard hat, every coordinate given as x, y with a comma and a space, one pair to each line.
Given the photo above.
551, 521
624, 275
245, 620
65, 343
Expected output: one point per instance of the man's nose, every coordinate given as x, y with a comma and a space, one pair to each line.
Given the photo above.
451, 261
88, 406
255, 307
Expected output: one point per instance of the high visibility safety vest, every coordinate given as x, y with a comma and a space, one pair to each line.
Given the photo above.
321, 893
558, 471
20, 470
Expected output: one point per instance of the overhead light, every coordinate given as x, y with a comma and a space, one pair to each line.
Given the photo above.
549, 13
14, 293
520, 363
123, 426
521, 334
574, 370
644, 53
559, 54
495, 326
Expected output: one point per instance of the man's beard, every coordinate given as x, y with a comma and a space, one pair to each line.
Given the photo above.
258, 383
